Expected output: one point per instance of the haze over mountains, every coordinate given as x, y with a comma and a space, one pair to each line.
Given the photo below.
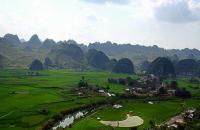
70, 54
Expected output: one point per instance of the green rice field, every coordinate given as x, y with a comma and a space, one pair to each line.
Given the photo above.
24, 99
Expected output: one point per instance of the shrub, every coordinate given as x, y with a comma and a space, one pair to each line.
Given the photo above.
173, 84
162, 91
183, 93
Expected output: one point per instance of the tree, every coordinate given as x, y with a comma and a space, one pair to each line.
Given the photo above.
36, 65
97, 86
152, 124
162, 91
122, 81
83, 82
194, 80
173, 85
183, 93
108, 87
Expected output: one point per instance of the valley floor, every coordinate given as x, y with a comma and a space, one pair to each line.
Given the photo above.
27, 102
160, 111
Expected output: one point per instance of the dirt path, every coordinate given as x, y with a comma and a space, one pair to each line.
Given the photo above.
131, 121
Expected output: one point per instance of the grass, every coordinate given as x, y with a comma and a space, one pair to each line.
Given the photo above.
159, 112
194, 88
23, 97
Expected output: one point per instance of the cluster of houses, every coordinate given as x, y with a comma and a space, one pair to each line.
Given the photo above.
148, 85
101, 91
180, 119
157, 85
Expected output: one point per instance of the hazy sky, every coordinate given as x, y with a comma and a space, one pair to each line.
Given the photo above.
166, 23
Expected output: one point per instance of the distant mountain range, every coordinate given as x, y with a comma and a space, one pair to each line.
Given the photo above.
138, 53
20, 53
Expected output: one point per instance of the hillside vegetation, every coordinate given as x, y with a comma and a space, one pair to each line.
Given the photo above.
70, 54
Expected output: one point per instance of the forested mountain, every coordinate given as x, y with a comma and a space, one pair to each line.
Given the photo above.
34, 42
36, 65
124, 65
97, 59
47, 45
72, 54
161, 67
10, 39
187, 67
67, 54
138, 53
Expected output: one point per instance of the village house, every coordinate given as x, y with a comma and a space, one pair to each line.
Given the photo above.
101, 92
171, 92
150, 77
180, 119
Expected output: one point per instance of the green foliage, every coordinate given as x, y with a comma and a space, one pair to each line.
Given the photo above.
194, 80
173, 84
192, 87
162, 91
152, 124
108, 87
183, 93
83, 83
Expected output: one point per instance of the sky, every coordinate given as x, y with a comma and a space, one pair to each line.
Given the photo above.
166, 23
